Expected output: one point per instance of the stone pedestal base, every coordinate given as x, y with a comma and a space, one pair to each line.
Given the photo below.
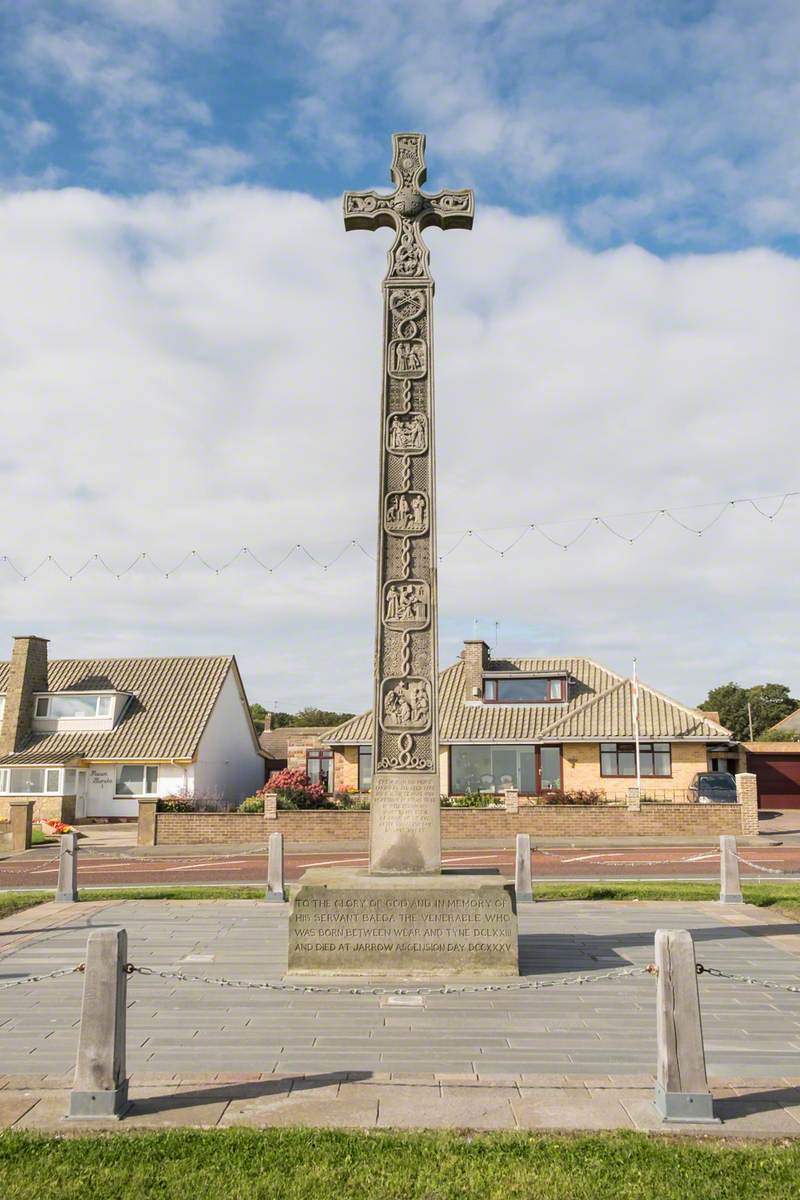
402, 927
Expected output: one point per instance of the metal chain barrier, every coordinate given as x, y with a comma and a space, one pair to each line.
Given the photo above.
445, 989
768, 870
774, 984
79, 968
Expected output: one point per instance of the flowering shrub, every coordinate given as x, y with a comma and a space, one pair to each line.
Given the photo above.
295, 790
175, 804
57, 827
577, 796
473, 800
253, 804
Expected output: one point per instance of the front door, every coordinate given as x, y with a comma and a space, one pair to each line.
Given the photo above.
100, 792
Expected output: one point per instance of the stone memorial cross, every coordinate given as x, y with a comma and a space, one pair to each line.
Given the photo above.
405, 836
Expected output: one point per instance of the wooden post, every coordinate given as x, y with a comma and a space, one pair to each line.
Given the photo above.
730, 889
275, 869
100, 1088
682, 1093
21, 819
67, 890
524, 885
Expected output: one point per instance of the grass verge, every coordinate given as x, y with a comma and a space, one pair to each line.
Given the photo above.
306, 1164
785, 897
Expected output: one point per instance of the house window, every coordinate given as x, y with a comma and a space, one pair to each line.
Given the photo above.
319, 767
521, 689
364, 768
495, 768
136, 781
30, 781
619, 758
76, 707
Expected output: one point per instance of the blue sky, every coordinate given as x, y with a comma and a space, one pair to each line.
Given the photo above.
671, 123
189, 341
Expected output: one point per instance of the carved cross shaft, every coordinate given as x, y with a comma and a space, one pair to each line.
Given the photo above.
404, 814
408, 210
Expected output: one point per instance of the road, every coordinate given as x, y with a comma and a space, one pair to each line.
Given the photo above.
38, 868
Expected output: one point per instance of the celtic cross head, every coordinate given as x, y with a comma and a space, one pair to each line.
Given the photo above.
408, 210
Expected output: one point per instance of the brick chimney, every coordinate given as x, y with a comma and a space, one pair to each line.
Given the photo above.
476, 660
27, 674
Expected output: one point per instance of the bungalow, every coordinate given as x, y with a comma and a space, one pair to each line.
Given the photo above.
549, 724
89, 737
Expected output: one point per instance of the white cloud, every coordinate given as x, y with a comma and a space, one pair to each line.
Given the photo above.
201, 371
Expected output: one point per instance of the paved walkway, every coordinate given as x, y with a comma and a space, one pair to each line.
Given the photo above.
563, 1056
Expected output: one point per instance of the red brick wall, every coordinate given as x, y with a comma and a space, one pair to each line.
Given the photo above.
350, 829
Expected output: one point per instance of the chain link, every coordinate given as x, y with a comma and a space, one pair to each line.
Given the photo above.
768, 870
774, 984
79, 968
442, 990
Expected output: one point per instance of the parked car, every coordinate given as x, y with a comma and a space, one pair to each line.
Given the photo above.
712, 787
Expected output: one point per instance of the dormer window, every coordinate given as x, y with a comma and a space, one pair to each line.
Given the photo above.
525, 689
77, 706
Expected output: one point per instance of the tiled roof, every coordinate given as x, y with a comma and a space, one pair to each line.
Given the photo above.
790, 724
599, 707
172, 701
276, 742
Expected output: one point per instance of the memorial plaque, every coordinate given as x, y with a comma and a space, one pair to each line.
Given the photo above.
354, 923
404, 823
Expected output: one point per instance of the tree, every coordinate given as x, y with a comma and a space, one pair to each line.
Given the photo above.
306, 716
769, 703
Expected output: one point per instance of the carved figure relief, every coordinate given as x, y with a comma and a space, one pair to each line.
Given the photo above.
406, 512
408, 358
406, 704
406, 604
408, 433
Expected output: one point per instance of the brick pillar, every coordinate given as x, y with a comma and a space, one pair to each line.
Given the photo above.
476, 659
747, 795
271, 806
21, 812
27, 674
634, 799
511, 798
147, 821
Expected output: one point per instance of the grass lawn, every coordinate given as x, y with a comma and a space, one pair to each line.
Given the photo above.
303, 1164
783, 896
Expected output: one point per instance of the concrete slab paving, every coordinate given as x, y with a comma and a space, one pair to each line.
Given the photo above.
600, 1033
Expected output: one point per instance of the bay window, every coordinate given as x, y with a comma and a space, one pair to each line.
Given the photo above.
136, 781
529, 769
619, 758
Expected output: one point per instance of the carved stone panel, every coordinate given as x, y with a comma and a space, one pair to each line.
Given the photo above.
407, 358
407, 433
406, 512
406, 604
406, 704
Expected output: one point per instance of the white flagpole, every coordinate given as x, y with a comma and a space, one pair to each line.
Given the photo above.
635, 694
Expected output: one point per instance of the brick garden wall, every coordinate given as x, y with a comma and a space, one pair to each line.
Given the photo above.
350, 829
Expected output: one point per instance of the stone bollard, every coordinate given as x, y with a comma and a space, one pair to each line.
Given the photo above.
511, 800
682, 1092
522, 880
21, 819
275, 868
67, 890
730, 889
100, 1088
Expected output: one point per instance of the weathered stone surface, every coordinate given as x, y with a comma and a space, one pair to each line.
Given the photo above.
405, 824
682, 1092
404, 831
730, 889
523, 881
274, 890
67, 888
356, 923
101, 1083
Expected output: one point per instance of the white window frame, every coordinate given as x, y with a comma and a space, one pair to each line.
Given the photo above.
144, 768
101, 698
7, 790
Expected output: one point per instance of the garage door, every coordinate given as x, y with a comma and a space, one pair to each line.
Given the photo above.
778, 779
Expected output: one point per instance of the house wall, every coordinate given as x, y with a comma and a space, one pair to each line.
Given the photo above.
345, 768
580, 765
296, 749
228, 765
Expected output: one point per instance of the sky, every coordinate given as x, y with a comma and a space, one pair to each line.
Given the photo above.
189, 341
